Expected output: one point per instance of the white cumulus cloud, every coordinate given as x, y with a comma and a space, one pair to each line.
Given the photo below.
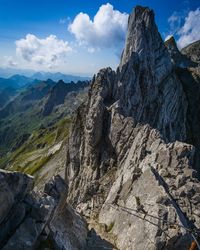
46, 52
107, 29
190, 31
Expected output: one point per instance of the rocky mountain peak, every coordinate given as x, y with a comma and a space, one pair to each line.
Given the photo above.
177, 58
58, 93
123, 149
144, 39
140, 19
146, 80
129, 167
60, 83
172, 46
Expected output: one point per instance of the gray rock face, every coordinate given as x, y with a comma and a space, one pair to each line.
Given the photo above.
87, 143
190, 78
67, 229
25, 215
13, 188
144, 40
159, 175
56, 188
178, 59
193, 51
124, 162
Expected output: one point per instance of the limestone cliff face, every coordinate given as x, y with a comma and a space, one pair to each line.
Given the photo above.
127, 148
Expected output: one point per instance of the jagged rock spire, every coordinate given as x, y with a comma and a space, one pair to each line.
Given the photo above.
147, 87
144, 39
128, 125
177, 58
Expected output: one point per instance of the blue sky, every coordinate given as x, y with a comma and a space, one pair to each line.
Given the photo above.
83, 47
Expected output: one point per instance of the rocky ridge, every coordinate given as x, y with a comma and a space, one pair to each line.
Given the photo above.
129, 166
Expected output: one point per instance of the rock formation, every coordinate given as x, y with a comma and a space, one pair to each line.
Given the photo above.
129, 167
23, 216
192, 51
132, 163
178, 59
26, 217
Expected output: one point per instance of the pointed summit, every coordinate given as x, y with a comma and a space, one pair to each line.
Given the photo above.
144, 39
147, 88
177, 58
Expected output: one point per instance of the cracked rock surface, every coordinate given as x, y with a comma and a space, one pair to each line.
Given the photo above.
27, 217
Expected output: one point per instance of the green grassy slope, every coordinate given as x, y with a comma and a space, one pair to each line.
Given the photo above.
38, 149
31, 142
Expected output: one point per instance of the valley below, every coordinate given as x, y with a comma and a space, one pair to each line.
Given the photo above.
35, 125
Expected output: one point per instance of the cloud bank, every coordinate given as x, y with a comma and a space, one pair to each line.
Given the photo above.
46, 52
106, 30
190, 32
185, 25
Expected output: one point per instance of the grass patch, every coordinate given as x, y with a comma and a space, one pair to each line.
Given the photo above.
37, 166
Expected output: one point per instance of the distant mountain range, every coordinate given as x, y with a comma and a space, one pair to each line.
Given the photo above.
58, 76
9, 72
19, 81
16, 82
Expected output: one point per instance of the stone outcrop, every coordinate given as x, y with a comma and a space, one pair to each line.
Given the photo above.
23, 215
26, 217
67, 228
129, 167
192, 51
178, 59
190, 78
